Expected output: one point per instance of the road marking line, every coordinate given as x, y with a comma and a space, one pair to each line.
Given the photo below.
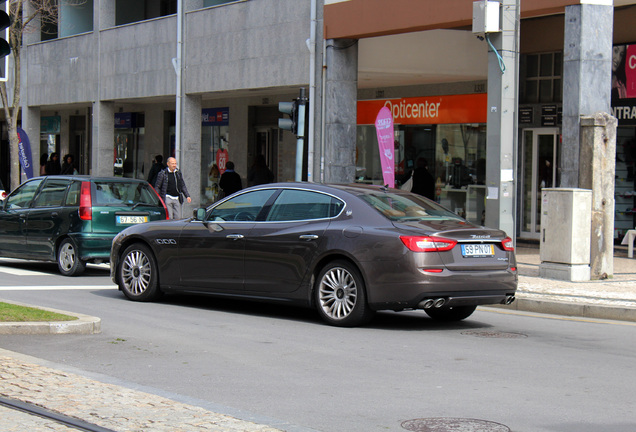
21, 272
59, 287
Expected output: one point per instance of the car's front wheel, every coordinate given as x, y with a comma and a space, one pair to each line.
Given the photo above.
68, 260
340, 295
137, 273
448, 314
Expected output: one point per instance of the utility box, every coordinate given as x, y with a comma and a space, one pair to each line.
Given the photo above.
486, 17
566, 220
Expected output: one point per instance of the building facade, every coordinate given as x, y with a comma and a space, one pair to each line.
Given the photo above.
103, 86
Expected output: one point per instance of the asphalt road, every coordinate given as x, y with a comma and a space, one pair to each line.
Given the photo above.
526, 371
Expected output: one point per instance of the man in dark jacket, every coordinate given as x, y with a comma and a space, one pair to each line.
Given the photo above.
172, 189
230, 181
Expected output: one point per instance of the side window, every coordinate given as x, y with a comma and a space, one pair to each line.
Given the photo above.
292, 205
73, 195
52, 193
23, 196
243, 207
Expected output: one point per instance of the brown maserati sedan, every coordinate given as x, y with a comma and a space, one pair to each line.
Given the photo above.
345, 250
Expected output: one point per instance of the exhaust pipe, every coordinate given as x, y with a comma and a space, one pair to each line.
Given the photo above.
439, 302
426, 304
508, 300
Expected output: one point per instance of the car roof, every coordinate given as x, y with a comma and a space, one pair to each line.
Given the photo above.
91, 178
326, 187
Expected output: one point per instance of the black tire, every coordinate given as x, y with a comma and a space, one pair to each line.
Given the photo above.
449, 314
340, 295
68, 260
137, 274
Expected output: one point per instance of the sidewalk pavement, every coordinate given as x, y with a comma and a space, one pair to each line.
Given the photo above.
117, 408
612, 299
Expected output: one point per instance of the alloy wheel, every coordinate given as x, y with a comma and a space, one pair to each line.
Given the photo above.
136, 272
338, 293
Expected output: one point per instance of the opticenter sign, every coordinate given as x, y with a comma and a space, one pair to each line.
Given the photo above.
451, 109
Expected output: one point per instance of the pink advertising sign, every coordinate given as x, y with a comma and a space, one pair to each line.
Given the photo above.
384, 130
630, 71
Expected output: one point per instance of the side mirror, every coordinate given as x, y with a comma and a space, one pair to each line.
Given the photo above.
199, 214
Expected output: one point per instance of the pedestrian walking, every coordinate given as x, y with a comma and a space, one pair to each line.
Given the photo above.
53, 166
259, 173
67, 166
157, 166
172, 188
230, 181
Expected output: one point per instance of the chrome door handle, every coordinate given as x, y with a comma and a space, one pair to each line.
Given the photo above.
308, 237
234, 236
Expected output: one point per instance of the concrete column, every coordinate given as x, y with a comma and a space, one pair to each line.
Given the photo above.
597, 169
190, 159
154, 134
587, 74
341, 95
501, 141
105, 14
103, 138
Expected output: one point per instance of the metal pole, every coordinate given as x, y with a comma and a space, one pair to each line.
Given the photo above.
178, 67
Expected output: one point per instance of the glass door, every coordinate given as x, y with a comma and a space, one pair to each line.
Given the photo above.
540, 158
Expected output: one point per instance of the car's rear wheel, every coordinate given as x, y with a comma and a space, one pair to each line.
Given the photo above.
340, 295
456, 313
137, 273
68, 260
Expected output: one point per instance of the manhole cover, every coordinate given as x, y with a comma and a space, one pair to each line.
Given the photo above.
493, 334
453, 424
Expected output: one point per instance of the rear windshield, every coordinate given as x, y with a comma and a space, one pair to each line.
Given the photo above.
115, 193
405, 207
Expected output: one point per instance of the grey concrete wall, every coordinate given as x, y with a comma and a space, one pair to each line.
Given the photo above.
247, 45
136, 59
61, 71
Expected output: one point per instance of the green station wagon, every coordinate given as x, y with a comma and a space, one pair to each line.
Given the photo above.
72, 220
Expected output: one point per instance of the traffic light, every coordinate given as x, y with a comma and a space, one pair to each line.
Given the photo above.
291, 109
5, 48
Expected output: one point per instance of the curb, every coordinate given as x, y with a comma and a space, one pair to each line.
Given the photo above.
85, 324
581, 310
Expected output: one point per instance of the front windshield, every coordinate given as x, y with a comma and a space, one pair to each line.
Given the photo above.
406, 207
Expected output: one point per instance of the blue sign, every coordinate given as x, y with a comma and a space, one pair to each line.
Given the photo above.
24, 153
124, 120
50, 125
215, 116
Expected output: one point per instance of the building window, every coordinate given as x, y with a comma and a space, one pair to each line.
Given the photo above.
541, 78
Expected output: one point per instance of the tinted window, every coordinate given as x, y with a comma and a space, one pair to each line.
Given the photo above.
52, 193
23, 196
406, 207
244, 207
73, 195
303, 205
123, 193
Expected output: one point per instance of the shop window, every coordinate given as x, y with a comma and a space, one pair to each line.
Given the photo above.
61, 18
130, 11
541, 78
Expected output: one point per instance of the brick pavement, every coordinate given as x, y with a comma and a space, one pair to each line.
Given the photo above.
109, 406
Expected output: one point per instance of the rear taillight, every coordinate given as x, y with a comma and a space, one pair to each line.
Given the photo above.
427, 244
162, 203
507, 244
86, 205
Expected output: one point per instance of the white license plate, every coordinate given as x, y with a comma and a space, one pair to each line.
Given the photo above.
478, 250
129, 220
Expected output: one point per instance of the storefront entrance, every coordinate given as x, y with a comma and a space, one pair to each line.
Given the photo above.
540, 158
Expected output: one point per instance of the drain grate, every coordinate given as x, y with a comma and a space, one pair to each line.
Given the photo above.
494, 334
453, 424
